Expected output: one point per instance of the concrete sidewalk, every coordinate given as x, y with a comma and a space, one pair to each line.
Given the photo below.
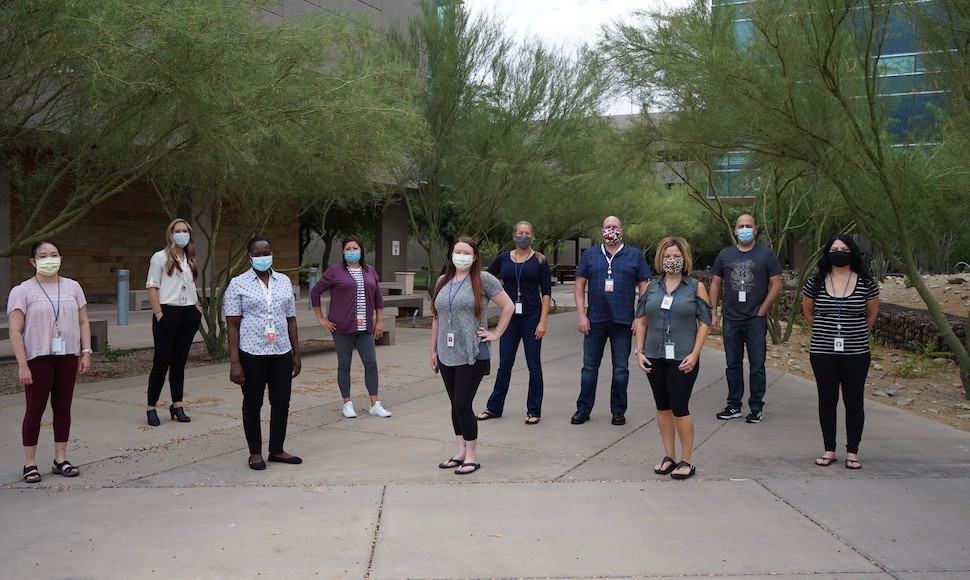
551, 500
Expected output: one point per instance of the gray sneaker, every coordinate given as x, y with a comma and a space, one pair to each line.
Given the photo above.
729, 412
754, 417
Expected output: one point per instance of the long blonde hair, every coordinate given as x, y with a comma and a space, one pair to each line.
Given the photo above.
171, 262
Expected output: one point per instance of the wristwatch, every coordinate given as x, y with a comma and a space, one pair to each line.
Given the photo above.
637, 350
86, 350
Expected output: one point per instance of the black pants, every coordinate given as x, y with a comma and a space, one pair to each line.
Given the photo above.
671, 386
259, 371
849, 371
462, 383
173, 338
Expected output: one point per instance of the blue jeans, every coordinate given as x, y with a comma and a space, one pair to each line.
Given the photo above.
621, 337
521, 327
738, 334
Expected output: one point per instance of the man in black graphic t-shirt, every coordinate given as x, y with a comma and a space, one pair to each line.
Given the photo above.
750, 275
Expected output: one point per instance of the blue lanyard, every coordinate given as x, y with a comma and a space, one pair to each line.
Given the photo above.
839, 301
56, 309
518, 277
451, 297
668, 311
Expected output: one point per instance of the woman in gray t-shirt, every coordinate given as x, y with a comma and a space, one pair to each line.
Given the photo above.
460, 340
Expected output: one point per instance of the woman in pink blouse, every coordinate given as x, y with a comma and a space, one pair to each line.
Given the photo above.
51, 340
355, 318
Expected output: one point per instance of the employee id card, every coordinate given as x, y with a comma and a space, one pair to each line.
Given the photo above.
184, 296
518, 308
669, 350
667, 302
270, 331
450, 339
742, 296
839, 345
609, 285
58, 346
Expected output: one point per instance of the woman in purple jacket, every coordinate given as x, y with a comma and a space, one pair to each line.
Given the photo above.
354, 318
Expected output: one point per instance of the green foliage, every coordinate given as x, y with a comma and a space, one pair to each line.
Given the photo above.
925, 361
113, 354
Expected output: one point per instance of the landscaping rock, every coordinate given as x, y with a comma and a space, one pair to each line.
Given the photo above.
955, 280
879, 394
904, 401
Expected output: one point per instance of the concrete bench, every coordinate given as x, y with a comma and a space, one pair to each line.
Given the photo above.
99, 333
313, 331
392, 288
406, 305
138, 300
390, 331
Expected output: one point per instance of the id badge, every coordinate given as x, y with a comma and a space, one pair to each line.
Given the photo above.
58, 346
184, 297
360, 322
450, 339
839, 345
270, 331
609, 285
742, 296
669, 350
518, 308
668, 301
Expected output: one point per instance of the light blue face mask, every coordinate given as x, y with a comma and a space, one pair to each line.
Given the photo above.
352, 257
181, 239
262, 263
745, 235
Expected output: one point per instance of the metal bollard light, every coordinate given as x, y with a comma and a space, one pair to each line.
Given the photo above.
313, 281
122, 297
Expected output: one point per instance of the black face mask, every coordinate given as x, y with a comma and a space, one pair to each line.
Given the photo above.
840, 259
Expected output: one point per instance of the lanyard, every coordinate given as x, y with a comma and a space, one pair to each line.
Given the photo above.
451, 297
839, 301
56, 309
183, 268
668, 310
741, 266
609, 259
268, 294
518, 275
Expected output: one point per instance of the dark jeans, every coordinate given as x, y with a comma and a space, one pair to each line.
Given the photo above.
849, 371
594, 343
173, 338
521, 327
364, 343
259, 371
753, 334
53, 377
462, 383
671, 386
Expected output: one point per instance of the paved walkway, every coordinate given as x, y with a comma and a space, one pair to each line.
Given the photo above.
552, 500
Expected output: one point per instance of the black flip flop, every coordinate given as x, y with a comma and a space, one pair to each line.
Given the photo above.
486, 415
456, 461
532, 420
673, 466
858, 464
687, 475
460, 472
828, 461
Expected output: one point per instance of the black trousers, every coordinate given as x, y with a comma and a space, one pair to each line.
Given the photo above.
259, 372
173, 338
849, 372
462, 383
671, 386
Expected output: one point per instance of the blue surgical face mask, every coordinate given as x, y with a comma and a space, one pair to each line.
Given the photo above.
745, 235
181, 239
352, 257
262, 263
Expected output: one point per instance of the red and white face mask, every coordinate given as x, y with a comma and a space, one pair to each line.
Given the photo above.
612, 235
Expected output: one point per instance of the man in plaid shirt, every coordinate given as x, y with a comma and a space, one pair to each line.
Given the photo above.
616, 275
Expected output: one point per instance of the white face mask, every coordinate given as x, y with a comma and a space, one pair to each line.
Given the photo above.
462, 261
181, 239
48, 266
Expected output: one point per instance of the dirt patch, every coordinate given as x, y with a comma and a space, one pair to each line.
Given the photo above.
953, 298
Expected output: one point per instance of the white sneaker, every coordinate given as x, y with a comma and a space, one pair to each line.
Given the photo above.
349, 410
378, 410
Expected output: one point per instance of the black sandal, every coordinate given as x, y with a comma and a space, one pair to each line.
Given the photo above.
661, 471
531, 420
687, 475
31, 474
476, 466
826, 461
486, 415
454, 460
858, 464
66, 469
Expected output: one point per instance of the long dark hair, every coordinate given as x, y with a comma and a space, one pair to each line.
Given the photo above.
33, 249
344, 242
475, 274
824, 266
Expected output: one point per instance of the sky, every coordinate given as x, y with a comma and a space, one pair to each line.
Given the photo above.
568, 23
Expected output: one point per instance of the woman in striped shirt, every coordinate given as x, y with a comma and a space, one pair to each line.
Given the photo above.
840, 304
355, 318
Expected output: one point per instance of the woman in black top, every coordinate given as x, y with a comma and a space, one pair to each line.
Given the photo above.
527, 280
840, 303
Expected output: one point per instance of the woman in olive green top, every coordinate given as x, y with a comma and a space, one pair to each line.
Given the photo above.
673, 320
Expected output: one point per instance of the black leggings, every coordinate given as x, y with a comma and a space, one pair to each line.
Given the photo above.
671, 386
173, 338
849, 371
275, 371
462, 383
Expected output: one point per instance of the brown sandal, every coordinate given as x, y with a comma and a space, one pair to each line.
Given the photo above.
485, 416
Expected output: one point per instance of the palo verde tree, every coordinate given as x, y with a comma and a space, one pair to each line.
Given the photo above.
804, 82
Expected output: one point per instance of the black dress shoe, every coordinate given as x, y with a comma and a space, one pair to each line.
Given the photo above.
619, 419
153, 418
579, 418
179, 413
258, 466
292, 459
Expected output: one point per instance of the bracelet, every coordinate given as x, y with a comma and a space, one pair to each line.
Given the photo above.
86, 351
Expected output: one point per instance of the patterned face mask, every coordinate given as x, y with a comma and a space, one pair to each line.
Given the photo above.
673, 265
612, 235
